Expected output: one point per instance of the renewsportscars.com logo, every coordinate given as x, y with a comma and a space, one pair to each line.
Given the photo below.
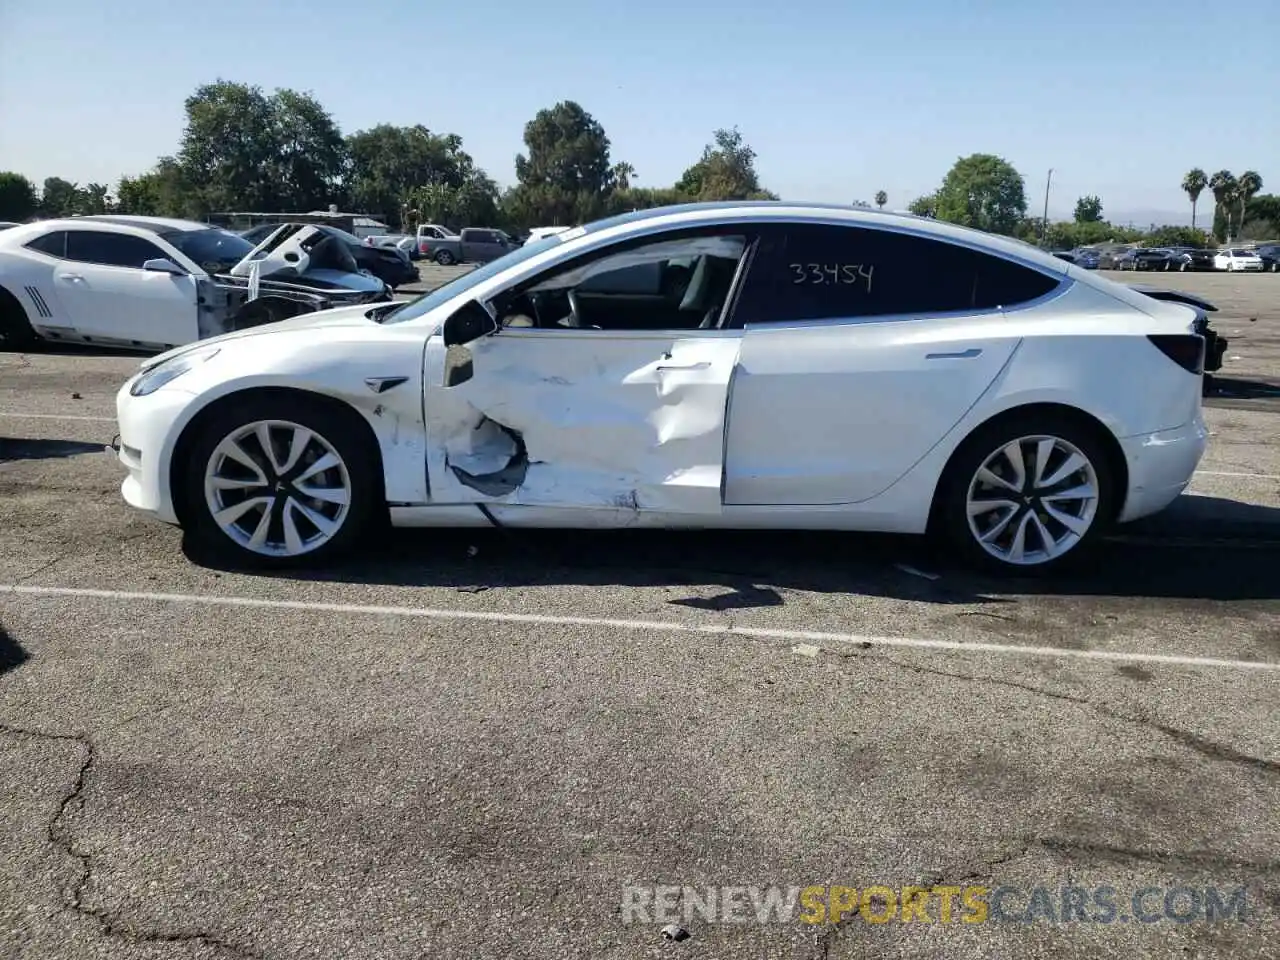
880, 903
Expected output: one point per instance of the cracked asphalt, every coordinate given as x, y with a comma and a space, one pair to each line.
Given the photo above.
203, 763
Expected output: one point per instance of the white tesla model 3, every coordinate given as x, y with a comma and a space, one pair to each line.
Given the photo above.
745, 365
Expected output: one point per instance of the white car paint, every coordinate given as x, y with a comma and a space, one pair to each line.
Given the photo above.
75, 300
1237, 260
704, 427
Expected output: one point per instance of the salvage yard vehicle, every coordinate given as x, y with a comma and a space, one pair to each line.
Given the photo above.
391, 265
473, 245
721, 365
148, 283
1237, 260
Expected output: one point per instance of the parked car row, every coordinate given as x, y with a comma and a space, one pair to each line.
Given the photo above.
151, 283
1264, 258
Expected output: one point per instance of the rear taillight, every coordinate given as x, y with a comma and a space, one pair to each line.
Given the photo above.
1184, 349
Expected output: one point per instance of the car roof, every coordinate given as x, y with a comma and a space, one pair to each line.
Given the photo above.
802, 211
154, 224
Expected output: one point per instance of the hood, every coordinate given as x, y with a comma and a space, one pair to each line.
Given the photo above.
362, 282
340, 317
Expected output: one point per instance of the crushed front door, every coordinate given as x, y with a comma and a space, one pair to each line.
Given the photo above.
591, 419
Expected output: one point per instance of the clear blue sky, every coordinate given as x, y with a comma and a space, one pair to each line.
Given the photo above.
839, 99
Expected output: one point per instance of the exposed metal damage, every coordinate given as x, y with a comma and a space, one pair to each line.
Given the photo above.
520, 426
294, 271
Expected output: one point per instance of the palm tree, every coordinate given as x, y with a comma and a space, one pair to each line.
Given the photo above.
1193, 183
1223, 185
622, 174
881, 199
1248, 185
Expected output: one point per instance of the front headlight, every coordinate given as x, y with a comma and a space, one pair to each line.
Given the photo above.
149, 381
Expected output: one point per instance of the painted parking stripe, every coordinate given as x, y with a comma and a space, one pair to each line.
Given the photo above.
54, 416
653, 626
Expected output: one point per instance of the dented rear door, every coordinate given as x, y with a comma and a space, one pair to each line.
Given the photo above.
581, 418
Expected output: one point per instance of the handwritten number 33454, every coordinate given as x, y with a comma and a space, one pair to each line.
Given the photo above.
843, 274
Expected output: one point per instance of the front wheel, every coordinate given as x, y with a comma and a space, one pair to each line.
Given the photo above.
275, 483
1027, 495
445, 258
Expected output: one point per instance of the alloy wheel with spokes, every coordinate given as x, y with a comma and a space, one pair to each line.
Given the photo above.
1033, 499
277, 488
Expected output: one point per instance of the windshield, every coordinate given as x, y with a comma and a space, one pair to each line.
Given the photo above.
214, 250
429, 301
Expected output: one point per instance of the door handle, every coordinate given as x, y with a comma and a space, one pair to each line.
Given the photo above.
701, 365
74, 277
958, 355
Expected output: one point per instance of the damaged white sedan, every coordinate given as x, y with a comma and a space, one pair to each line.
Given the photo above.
741, 365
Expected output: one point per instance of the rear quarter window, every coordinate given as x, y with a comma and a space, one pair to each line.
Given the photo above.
53, 244
818, 272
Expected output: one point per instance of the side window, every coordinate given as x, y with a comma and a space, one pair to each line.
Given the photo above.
673, 284
54, 244
111, 249
817, 272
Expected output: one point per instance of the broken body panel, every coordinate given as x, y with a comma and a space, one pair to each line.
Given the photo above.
632, 421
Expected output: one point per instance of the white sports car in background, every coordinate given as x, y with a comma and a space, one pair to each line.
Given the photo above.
153, 283
1237, 260
766, 365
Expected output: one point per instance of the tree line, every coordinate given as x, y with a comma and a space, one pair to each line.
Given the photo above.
243, 149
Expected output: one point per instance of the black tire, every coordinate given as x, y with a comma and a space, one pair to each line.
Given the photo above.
15, 328
445, 258
338, 427
951, 515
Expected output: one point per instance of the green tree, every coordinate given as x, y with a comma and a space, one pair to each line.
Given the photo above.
925, 206
567, 149
1088, 210
1223, 186
983, 191
621, 175
162, 192
726, 171
18, 200
1261, 218
244, 148
94, 199
1193, 185
881, 199
565, 174
392, 166
59, 198
1247, 187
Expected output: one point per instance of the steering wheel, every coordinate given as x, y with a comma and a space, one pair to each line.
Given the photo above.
575, 315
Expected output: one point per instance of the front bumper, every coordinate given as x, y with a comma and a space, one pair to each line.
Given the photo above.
146, 431
1161, 465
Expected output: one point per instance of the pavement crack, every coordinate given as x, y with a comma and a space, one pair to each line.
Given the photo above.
60, 837
1213, 751
42, 568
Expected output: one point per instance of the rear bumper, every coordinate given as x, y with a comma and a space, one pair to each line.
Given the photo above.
1160, 467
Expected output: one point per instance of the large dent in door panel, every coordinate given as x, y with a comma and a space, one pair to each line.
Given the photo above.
610, 434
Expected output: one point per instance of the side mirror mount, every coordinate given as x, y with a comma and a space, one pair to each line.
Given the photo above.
163, 265
468, 323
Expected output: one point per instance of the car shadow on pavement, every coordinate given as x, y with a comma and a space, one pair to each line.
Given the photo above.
753, 566
24, 449
12, 655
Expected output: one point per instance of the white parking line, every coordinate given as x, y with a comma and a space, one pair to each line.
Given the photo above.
54, 416
655, 626
1228, 473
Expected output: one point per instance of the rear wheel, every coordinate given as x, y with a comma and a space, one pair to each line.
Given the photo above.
445, 258
1027, 495
278, 482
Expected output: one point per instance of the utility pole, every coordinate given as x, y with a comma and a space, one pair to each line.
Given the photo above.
1044, 235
